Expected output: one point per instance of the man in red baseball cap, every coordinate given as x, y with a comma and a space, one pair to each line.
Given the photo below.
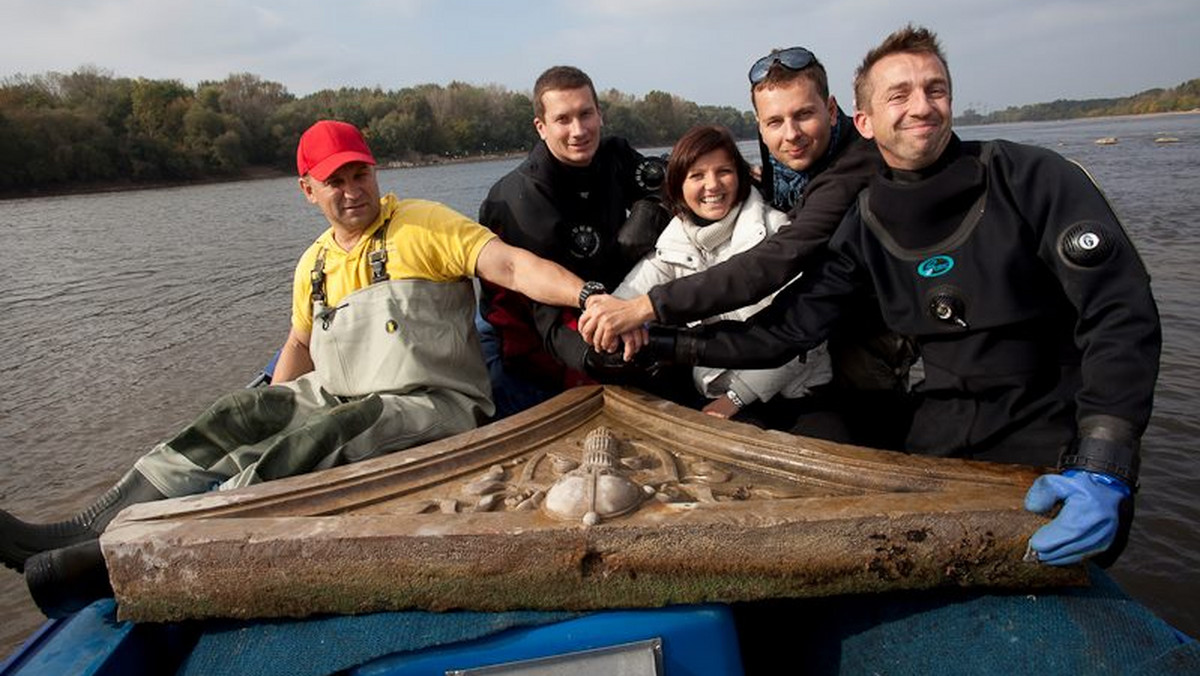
382, 355
326, 149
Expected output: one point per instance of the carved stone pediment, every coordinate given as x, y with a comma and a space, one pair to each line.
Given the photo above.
600, 498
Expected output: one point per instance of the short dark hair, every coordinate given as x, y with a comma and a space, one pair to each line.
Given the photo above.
560, 77
781, 76
908, 40
697, 142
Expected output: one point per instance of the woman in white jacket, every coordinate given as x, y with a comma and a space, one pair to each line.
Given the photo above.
718, 214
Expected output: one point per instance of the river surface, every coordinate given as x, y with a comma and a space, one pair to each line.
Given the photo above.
126, 314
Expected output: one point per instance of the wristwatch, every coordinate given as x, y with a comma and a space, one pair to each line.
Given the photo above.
737, 401
589, 288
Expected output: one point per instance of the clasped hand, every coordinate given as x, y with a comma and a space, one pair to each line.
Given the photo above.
609, 321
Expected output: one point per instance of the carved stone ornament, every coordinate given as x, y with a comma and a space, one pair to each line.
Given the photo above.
599, 498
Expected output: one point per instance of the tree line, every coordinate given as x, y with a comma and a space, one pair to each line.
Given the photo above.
1184, 97
61, 131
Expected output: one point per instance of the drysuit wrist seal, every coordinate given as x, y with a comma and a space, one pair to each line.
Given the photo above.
1106, 456
675, 346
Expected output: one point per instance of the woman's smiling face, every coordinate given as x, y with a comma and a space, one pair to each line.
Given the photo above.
710, 187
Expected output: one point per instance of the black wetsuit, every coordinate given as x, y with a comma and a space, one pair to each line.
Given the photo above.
570, 215
1031, 307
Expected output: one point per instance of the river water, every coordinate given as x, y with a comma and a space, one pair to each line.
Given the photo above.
125, 314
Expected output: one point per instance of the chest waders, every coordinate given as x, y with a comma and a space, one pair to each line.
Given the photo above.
396, 364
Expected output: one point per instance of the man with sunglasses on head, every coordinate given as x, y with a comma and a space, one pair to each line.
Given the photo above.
1032, 308
591, 204
813, 164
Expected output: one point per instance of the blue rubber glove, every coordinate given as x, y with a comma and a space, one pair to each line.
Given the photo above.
1088, 521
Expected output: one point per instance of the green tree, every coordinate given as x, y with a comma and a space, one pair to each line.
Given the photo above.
155, 126
97, 93
215, 140
23, 92
60, 146
252, 101
621, 120
657, 109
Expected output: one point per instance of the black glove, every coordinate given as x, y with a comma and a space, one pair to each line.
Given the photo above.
637, 236
611, 367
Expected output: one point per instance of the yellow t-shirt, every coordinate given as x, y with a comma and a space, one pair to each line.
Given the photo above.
425, 240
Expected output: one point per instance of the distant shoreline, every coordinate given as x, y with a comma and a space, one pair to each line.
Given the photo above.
1165, 113
264, 173
250, 174
102, 187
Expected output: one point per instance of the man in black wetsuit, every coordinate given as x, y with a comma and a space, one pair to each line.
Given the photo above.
1031, 307
590, 204
814, 163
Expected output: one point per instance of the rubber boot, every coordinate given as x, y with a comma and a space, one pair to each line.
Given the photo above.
64, 581
20, 540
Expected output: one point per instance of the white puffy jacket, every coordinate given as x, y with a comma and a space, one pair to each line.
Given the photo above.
684, 249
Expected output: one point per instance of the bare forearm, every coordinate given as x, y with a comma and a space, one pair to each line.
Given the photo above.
294, 359
546, 282
521, 271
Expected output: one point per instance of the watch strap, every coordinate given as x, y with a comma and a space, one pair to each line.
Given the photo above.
589, 288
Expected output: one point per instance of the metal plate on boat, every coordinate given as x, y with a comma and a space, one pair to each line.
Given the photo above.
641, 658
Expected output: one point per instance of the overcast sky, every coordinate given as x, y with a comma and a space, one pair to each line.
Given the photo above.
1001, 52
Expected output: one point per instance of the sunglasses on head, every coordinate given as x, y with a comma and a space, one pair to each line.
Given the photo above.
792, 58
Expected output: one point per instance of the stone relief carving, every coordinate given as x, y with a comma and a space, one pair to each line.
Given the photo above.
601, 498
601, 477
599, 487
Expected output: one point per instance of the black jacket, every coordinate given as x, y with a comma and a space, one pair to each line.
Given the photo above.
570, 215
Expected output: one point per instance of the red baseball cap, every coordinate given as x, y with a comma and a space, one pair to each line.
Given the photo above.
327, 145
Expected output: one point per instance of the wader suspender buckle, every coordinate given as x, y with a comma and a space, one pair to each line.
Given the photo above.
378, 255
317, 278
